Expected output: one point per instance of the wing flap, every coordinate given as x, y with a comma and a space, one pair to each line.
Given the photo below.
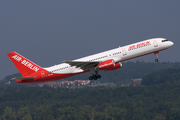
23, 78
82, 64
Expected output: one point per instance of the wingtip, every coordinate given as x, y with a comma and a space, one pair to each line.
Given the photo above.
64, 61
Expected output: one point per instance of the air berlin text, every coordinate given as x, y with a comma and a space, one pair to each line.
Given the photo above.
139, 45
26, 63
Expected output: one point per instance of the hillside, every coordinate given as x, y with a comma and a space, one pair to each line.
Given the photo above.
162, 76
152, 101
130, 103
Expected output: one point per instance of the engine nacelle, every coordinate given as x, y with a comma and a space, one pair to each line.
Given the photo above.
106, 64
117, 66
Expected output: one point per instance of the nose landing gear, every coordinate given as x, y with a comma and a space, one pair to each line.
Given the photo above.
156, 60
156, 56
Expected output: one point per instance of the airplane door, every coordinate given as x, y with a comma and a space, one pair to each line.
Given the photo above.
124, 51
70, 67
155, 43
43, 74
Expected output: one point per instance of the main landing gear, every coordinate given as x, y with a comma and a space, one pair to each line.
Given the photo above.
95, 77
156, 56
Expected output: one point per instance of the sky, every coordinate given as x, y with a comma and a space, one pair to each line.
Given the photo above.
50, 31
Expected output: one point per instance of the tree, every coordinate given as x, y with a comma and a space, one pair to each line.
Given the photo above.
27, 117
22, 112
175, 112
67, 113
114, 113
9, 114
86, 113
43, 113
159, 117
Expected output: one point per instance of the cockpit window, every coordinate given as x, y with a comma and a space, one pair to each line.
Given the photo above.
164, 40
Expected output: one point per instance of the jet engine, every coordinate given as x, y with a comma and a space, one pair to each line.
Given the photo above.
108, 64
117, 66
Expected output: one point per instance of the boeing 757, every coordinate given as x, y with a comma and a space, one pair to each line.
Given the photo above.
107, 61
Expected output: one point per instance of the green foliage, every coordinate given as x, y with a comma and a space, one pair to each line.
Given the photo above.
23, 113
8, 114
43, 113
27, 117
159, 117
132, 70
161, 77
114, 113
102, 103
67, 113
157, 101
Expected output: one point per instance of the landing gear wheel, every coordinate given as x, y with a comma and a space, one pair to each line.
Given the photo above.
90, 78
99, 76
94, 77
156, 60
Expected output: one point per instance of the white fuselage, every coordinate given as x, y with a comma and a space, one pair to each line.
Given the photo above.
118, 54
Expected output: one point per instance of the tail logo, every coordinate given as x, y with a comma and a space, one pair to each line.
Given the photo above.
25, 63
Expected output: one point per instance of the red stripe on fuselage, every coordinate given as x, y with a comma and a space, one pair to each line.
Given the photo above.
55, 76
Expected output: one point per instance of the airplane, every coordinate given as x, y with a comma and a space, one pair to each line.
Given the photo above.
107, 61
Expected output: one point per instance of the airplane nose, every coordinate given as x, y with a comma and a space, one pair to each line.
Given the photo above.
171, 43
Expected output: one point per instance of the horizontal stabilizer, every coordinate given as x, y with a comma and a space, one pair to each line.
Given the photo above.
23, 78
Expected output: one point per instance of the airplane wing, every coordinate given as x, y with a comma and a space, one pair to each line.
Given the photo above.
82, 64
22, 78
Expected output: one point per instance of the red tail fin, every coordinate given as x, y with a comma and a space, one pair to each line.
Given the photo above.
25, 66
